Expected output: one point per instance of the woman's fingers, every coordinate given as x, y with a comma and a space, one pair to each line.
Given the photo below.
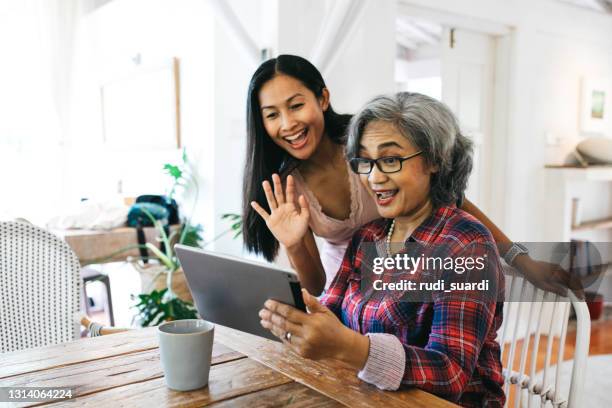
572, 282
277, 321
295, 341
290, 189
304, 208
269, 195
288, 312
260, 210
278, 189
556, 288
267, 324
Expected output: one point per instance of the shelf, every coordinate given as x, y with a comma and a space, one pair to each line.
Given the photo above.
604, 223
591, 173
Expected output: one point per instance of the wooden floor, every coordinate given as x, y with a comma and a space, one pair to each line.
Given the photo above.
601, 343
601, 338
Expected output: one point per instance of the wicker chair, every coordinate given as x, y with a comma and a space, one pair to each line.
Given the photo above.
40, 286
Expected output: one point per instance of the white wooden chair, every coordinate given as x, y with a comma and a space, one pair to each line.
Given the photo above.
40, 287
529, 315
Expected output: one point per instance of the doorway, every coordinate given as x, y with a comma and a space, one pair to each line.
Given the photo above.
463, 64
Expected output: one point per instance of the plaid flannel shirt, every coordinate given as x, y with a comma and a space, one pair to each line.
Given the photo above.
445, 346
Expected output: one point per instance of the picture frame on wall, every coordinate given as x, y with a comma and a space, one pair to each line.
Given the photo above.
595, 105
141, 107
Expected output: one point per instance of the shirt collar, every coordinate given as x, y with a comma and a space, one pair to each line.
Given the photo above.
427, 231
432, 226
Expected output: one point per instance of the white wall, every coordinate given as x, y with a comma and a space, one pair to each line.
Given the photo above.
562, 64
159, 31
223, 155
364, 66
553, 46
110, 37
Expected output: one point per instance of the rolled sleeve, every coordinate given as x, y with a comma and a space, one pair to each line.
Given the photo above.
386, 362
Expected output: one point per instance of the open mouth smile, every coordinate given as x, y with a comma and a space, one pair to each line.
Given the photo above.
297, 140
385, 197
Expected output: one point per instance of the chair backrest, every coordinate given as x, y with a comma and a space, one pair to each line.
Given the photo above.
39, 287
530, 315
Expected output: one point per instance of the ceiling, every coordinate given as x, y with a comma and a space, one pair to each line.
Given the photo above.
603, 6
413, 33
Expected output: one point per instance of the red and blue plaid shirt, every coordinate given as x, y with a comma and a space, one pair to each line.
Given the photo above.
448, 342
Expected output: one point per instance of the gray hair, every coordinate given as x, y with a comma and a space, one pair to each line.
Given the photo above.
432, 128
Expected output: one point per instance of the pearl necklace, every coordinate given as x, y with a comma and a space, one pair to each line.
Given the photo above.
389, 234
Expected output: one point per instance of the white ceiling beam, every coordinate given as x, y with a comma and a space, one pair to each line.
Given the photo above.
93, 5
406, 42
237, 32
429, 27
606, 5
329, 30
415, 31
449, 19
340, 26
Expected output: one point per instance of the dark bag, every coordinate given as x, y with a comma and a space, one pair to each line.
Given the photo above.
168, 203
160, 208
140, 215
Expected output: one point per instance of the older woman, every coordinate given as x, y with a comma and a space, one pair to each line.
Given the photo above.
413, 160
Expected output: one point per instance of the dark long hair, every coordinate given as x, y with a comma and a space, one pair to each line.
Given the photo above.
264, 157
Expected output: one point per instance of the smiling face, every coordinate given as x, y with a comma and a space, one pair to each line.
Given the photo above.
293, 115
398, 194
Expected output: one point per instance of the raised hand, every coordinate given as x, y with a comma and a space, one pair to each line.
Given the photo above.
287, 220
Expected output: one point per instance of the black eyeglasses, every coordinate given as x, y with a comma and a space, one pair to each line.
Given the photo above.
390, 164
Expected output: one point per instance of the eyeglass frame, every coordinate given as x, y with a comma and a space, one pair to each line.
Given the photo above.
373, 162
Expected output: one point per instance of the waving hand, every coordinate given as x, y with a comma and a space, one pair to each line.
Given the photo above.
287, 220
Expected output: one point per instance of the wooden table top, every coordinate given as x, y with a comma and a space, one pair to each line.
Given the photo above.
124, 370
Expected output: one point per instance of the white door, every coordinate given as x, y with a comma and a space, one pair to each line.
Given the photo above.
467, 61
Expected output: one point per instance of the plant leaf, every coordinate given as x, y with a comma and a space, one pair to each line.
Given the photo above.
192, 235
174, 171
168, 262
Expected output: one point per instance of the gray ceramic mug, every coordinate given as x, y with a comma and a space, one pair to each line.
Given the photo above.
185, 348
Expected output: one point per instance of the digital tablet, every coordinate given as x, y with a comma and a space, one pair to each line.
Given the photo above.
231, 291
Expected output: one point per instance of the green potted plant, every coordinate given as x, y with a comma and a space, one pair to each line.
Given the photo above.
165, 293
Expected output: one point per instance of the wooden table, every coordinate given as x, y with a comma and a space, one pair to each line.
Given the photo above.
124, 370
